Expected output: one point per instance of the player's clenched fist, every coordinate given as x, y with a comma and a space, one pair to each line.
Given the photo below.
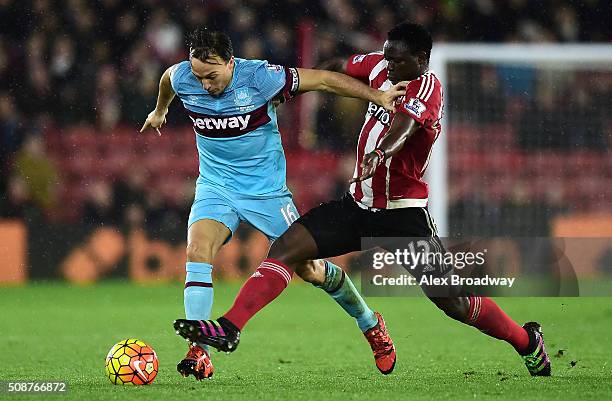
154, 120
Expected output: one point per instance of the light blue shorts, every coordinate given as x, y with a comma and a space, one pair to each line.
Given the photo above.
270, 215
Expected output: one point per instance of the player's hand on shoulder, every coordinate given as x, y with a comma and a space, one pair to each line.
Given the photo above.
155, 120
388, 98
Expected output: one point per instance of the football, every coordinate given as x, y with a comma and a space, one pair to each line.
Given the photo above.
131, 362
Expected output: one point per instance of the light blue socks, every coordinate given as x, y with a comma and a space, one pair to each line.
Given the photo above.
198, 293
340, 287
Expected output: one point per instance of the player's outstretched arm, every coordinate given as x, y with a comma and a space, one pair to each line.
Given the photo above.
343, 85
157, 117
401, 129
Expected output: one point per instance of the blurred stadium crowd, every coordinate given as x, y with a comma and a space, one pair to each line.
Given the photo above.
77, 79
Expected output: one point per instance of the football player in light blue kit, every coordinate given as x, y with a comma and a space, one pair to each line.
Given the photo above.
231, 102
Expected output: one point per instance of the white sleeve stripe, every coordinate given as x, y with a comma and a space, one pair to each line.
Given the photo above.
424, 86
423, 79
433, 85
427, 86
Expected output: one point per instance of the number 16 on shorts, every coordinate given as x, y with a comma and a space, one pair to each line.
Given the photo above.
289, 213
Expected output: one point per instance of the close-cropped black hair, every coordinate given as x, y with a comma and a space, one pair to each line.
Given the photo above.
415, 36
204, 43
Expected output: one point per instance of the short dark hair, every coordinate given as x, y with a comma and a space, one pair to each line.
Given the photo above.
204, 43
415, 36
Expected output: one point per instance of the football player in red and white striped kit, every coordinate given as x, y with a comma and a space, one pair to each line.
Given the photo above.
387, 198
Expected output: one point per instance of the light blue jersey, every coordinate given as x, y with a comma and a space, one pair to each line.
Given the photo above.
237, 136
242, 163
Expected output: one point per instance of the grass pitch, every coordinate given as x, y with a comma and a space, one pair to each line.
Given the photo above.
302, 347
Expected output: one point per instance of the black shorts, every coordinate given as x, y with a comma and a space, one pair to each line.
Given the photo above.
339, 226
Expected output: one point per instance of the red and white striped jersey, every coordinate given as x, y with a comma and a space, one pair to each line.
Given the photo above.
398, 182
